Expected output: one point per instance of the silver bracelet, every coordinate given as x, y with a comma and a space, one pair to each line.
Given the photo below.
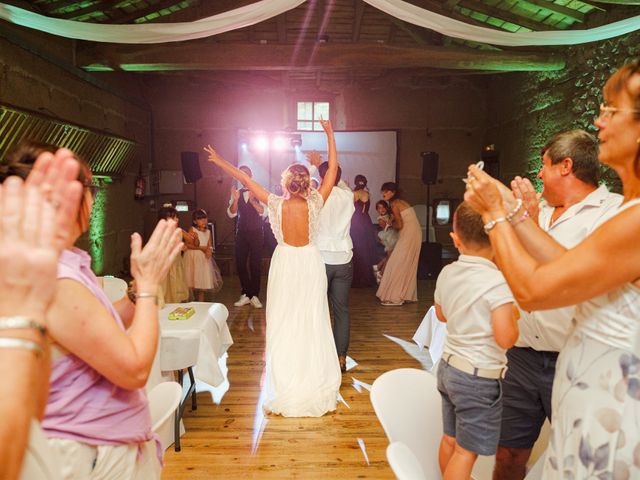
21, 343
147, 295
19, 322
489, 225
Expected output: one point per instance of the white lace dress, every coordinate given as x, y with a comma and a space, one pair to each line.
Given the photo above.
303, 373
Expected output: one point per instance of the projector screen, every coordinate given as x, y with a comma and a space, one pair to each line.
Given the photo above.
372, 154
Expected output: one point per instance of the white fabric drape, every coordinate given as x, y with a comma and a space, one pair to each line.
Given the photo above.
455, 28
265, 9
150, 32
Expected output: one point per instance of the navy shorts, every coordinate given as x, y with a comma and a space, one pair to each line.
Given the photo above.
527, 396
471, 409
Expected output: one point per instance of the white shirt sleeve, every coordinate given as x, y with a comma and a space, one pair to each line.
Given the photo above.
231, 215
498, 296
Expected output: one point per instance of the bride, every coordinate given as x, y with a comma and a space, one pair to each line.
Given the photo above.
303, 374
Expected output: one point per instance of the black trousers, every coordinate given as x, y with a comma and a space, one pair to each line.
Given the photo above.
249, 247
339, 279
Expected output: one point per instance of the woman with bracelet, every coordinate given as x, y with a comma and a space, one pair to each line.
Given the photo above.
596, 391
29, 253
97, 415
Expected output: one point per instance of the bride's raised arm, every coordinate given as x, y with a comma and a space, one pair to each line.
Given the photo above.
329, 179
258, 190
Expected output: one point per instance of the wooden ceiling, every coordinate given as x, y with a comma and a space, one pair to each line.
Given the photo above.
330, 40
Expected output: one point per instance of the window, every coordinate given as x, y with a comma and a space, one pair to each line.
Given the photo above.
309, 113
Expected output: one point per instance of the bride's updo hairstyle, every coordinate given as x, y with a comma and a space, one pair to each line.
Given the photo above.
296, 180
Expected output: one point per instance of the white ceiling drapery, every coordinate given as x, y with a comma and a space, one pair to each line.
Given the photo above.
150, 32
457, 29
266, 9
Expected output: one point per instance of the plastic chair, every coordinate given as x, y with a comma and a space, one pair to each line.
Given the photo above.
39, 462
409, 407
164, 398
178, 352
403, 462
115, 288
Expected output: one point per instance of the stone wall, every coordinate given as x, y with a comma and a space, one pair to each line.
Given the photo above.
526, 109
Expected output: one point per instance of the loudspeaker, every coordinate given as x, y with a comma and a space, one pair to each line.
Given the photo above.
430, 262
190, 166
429, 168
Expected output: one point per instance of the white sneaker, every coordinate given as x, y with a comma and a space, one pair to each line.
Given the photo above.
242, 301
255, 301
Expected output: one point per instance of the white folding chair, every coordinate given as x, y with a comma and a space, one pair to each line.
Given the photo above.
164, 398
39, 462
403, 462
178, 352
115, 288
409, 407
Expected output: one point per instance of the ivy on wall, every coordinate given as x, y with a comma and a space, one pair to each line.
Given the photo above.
547, 103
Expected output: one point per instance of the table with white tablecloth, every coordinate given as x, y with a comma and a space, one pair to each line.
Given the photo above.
210, 321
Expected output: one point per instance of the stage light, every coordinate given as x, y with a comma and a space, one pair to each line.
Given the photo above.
244, 146
261, 143
279, 143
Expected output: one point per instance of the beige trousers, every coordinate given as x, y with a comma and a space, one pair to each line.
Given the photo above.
106, 462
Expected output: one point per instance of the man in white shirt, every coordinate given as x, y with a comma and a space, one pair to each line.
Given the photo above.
336, 248
249, 239
573, 206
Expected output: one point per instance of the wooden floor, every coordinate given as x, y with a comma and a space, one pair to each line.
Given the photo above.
235, 440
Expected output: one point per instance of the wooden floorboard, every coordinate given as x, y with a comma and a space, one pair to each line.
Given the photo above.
234, 440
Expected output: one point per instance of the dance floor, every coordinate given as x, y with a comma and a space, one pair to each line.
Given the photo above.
231, 438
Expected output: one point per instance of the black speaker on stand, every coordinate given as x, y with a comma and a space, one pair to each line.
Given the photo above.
430, 262
191, 171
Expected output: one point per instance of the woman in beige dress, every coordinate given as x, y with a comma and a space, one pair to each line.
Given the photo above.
399, 281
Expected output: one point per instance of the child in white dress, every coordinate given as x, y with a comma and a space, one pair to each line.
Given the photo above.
200, 269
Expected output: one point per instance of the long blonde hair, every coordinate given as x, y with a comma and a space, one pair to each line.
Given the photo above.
296, 180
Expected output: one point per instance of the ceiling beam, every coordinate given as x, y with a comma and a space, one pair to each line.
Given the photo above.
422, 36
194, 56
282, 27
619, 2
559, 9
81, 11
505, 15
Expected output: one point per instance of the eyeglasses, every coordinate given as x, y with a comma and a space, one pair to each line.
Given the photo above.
607, 112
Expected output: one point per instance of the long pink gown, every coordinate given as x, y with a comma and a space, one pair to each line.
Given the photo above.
399, 282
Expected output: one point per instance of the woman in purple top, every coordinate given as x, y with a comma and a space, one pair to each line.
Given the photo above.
97, 415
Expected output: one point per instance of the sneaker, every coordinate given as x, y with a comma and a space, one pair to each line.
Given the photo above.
242, 301
391, 304
255, 301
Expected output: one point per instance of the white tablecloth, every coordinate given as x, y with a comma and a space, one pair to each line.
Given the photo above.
432, 334
210, 320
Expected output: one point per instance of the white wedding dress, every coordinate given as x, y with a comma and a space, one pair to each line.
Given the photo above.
303, 373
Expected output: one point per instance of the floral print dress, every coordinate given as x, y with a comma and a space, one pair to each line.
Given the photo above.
596, 391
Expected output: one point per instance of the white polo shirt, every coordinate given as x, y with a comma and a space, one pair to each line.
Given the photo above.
334, 225
468, 290
548, 330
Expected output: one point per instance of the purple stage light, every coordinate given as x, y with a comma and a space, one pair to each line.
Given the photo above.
261, 143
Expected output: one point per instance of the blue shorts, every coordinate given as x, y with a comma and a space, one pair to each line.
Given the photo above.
471, 409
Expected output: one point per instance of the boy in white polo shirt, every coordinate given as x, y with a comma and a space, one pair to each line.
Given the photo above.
473, 298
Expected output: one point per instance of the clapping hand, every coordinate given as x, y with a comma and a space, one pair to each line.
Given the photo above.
235, 193
314, 158
149, 265
36, 218
523, 189
485, 194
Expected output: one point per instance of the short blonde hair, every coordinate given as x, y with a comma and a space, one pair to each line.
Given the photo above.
296, 180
